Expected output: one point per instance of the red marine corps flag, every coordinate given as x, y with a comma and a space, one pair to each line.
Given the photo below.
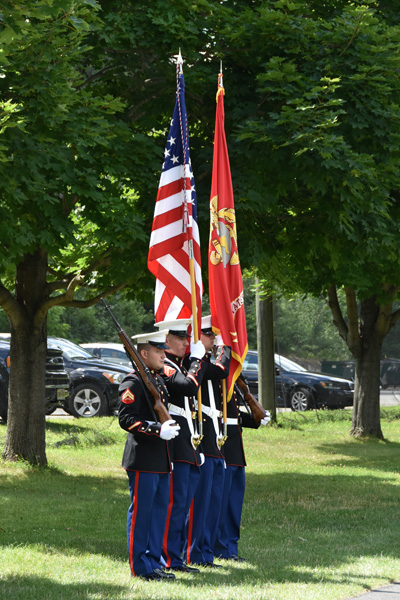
174, 253
225, 276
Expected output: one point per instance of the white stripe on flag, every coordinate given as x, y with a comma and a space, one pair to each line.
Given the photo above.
168, 203
174, 174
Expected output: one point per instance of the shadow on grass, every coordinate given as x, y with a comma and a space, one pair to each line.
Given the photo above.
366, 454
65, 425
24, 586
296, 527
313, 528
74, 514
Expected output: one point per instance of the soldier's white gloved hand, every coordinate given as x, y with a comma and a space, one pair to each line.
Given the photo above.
197, 350
265, 420
169, 430
202, 459
218, 340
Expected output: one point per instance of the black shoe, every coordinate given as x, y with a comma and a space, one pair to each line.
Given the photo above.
150, 576
234, 557
184, 569
162, 574
238, 558
212, 565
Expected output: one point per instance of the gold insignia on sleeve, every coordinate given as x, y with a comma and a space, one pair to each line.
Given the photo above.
127, 397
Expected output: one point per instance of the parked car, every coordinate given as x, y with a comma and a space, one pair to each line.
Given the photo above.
109, 352
389, 370
3, 391
299, 389
57, 381
94, 382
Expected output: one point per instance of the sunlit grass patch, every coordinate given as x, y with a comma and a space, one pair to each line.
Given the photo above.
320, 518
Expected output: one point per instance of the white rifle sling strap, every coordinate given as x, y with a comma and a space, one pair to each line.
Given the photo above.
177, 410
211, 411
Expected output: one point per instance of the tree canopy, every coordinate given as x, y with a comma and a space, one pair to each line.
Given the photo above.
312, 107
319, 159
66, 155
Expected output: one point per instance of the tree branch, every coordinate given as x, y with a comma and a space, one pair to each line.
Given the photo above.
62, 299
353, 338
86, 303
354, 32
336, 311
63, 283
386, 319
9, 304
96, 76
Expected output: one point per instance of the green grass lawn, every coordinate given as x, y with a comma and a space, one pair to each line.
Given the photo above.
320, 521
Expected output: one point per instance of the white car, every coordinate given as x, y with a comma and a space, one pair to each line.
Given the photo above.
109, 352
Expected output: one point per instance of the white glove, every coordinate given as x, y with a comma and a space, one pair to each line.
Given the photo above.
169, 430
202, 459
265, 420
197, 350
218, 340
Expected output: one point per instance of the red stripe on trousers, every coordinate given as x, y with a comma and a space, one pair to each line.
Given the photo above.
133, 522
165, 539
190, 531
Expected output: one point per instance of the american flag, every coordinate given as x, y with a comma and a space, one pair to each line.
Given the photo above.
175, 227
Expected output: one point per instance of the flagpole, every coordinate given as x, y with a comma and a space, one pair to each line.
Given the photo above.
224, 394
197, 439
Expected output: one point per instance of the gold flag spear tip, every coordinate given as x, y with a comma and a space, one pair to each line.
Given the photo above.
220, 89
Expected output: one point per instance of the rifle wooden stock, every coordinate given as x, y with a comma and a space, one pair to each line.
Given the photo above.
141, 369
257, 410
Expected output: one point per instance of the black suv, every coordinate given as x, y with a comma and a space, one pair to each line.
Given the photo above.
57, 381
94, 382
299, 389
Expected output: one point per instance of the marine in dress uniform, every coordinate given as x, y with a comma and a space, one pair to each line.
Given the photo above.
205, 509
228, 534
147, 459
182, 384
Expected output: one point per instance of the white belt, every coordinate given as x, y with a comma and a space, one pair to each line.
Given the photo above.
210, 412
187, 413
231, 421
176, 410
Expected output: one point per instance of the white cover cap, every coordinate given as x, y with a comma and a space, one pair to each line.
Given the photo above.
206, 322
175, 327
155, 338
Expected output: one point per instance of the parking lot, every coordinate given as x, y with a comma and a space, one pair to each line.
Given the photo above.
388, 398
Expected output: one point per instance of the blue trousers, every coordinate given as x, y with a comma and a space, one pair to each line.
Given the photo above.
231, 513
146, 519
184, 480
205, 511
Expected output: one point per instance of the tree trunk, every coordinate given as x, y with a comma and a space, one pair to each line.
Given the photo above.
266, 355
367, 324
366, 409
26, 411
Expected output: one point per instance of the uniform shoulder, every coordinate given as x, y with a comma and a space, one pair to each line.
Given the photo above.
129, 380
169, 370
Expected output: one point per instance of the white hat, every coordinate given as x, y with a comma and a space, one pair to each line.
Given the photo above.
206, 323
155, 338
175, 327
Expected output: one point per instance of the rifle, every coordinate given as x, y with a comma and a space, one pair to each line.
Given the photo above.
141, 369
257, 410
